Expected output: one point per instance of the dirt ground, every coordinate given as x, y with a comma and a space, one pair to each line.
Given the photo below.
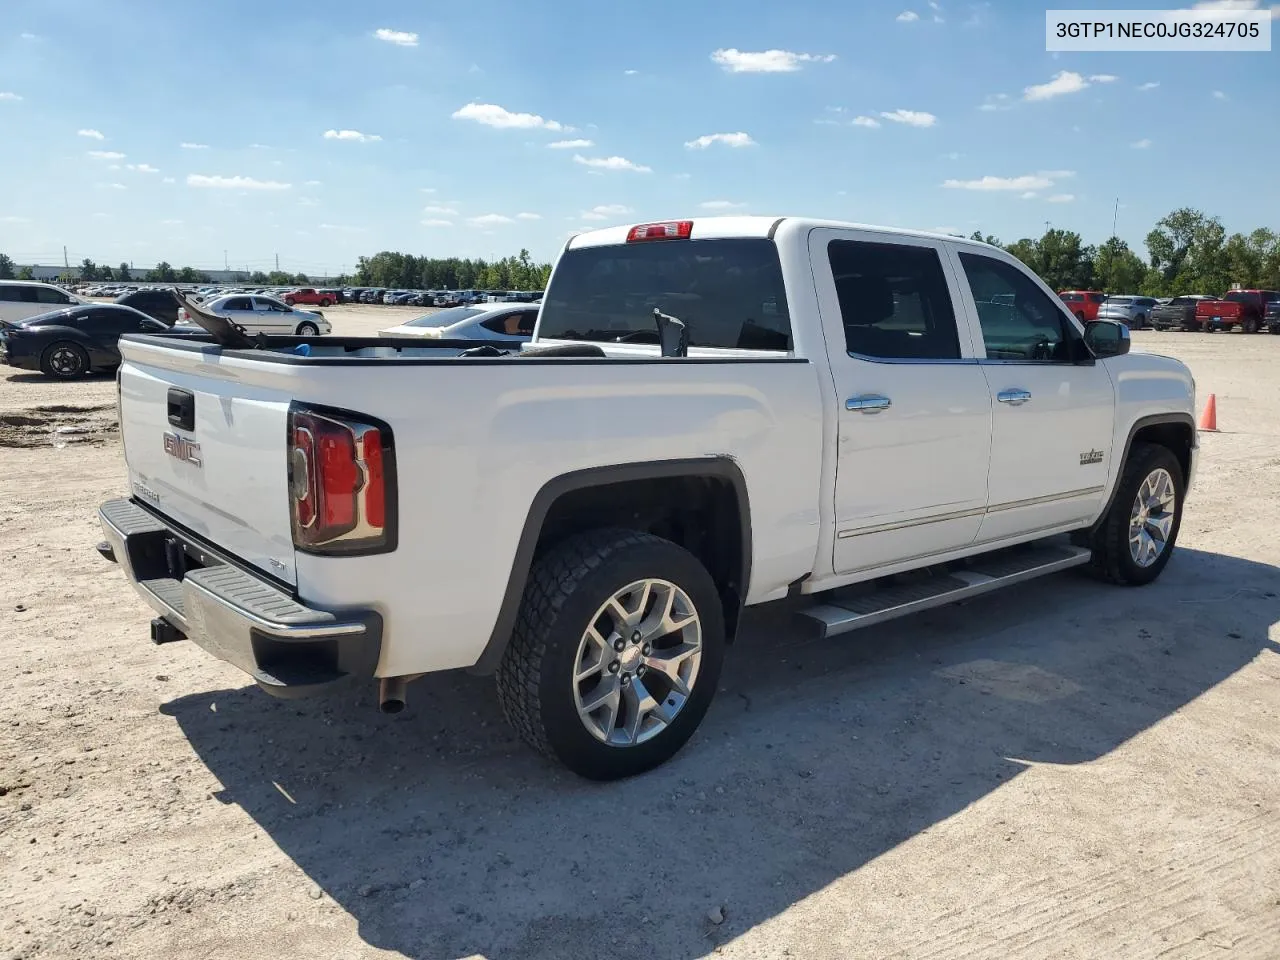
1065, 770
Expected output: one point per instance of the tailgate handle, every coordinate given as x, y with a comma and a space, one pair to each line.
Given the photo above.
182, 408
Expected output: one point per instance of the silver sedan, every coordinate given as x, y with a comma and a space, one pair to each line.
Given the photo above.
262, 314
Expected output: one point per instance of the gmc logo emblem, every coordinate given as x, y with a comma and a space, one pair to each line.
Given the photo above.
180, 448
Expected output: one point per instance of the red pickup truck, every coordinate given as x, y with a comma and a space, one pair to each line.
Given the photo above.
308, 295
1242, 308
1083, 303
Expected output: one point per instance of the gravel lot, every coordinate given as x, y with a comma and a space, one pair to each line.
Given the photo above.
1067, 770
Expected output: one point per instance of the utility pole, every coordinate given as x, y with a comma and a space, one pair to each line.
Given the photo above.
225, 265
65, 263
277, 263
1114, 216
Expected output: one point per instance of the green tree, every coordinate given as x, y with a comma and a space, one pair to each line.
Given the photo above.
123, 273
26, 274
163, 273
977, 235
105, 273
1188, 249
258, 277
278, 278
89, 270
190, 275
300, 278
6, 267
1117, 269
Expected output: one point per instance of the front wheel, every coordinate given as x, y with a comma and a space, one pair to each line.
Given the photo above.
64, 360
1250, 325
308, 330
1137, 535
616, 653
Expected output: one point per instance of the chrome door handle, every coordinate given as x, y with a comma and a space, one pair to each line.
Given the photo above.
868, 403
1014, 397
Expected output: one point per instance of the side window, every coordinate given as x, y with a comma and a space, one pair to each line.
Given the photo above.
894, 301
239, 303
46, 295
525, 322
9, 294
1019, 321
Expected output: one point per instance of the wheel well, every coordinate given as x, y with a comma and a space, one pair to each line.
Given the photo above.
701, 513
1177, 437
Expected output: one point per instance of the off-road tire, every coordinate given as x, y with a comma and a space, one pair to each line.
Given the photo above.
61, 372
1111, 558
566, 586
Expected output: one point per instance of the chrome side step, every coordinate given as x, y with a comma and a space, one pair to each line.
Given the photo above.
864, 605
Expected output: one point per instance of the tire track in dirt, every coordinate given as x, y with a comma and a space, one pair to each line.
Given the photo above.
59, 425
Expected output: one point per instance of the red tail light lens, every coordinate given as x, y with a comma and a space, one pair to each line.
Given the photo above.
671, 230
340, 484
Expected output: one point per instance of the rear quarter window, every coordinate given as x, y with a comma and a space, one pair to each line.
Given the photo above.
728, 292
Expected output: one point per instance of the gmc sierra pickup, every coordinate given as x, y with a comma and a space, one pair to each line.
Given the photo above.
713, 414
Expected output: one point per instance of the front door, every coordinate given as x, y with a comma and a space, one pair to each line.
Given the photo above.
1053, 406
914, 413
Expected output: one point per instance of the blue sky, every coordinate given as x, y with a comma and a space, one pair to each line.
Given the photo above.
147, 129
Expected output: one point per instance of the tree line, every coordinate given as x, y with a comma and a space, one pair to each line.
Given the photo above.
1188, 251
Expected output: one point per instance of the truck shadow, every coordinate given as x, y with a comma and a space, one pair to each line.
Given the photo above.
444, 837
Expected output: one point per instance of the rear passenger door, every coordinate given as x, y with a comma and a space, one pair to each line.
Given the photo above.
913, 409
1053, 405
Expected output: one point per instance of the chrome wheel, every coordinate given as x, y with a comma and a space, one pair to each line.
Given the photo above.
1151, 518
65, 361
637, 662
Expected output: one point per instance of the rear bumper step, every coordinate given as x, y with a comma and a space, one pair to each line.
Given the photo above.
291, 650
854, 608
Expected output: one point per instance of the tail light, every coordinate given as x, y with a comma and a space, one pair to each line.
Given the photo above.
341, 482
183, 316
671, 230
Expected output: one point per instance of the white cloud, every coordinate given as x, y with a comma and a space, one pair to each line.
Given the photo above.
610, 163
185, 145
907, 16
259, 146
766, 61
492, 115
141, 168
1149, 85
1219, 95
312, 183
354, 135
489, 220
606, 210
1229, 6
720, 205
15, 220
629, 73
91, 134
171, 223
400, 38
428, 189
113, 186
1019, 184
9, 95
570, 145
865, 122
1063, 82
437, 223
341, 228
1141, 144
1028, 195
1103, 78
953, 155
29, 36
528, 216
912, 118
106, 155
308, 202
234, 183
439, 210
1060, 197
169, 180
996, 101
728, 139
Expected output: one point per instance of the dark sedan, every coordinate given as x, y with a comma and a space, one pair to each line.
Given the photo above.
157, 304
73, 342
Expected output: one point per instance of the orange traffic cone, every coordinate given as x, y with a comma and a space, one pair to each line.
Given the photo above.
1209, 419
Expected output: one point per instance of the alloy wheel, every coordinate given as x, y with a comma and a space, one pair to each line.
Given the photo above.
1151, 518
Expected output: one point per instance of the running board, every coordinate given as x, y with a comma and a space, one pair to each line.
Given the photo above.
851, 608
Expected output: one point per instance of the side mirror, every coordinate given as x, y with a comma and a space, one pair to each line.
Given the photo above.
1106, 338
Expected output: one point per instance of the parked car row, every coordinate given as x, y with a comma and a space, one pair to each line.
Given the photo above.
438, 298
1246, 309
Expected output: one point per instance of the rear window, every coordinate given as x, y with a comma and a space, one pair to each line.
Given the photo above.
1239, 296
1182, 301
442, 318
1071, 297
1095, 297
1120, 301
728, 292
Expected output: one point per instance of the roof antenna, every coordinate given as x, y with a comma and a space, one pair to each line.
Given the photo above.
673, 334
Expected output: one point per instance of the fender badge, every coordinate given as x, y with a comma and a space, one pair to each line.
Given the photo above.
1092, 456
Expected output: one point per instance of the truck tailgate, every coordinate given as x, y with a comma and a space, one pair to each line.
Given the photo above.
209, 452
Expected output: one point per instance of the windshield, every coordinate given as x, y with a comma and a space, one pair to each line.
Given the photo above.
443, 318
728, 292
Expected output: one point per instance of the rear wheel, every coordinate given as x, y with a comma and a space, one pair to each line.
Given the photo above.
1136, 537
308, 330
325, 301
615, 655
1250, 325
1139, 321
64, 360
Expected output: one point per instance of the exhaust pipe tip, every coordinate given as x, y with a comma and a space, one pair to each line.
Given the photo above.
391, 694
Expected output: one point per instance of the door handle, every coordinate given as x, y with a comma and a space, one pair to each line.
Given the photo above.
868, 403
1014, 397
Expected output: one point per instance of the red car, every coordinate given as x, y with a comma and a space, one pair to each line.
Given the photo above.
1083, 303
307, 295
1243, 308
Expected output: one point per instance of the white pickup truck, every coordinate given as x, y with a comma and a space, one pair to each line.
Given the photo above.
833, 408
